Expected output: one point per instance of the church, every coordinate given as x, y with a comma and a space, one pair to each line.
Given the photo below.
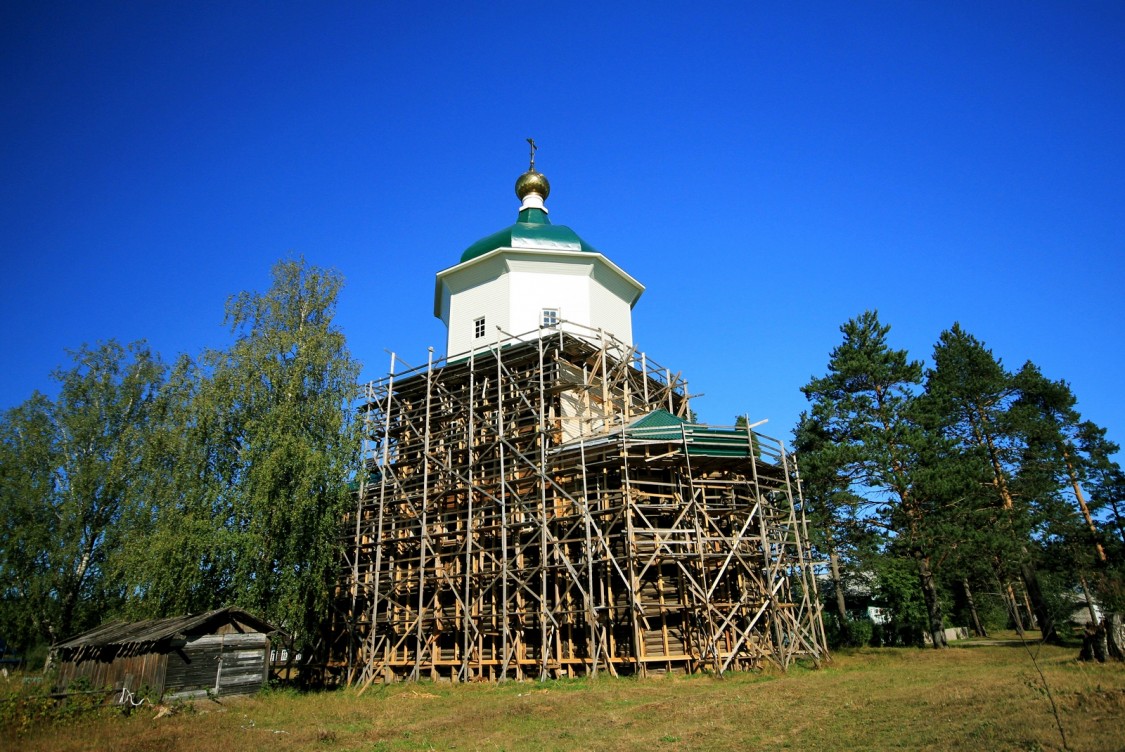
538, 503
533, 275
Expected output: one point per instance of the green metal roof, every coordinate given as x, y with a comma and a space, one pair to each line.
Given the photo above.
703, 440
531, 230
659, 425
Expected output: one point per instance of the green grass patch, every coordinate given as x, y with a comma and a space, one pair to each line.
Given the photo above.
979, 695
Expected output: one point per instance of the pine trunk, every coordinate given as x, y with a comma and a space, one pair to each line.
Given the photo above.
1089, 601
1094, 643
838, 585
1014, 608
1099, 549
1032, 619
933, 603
978, 627
1042, 613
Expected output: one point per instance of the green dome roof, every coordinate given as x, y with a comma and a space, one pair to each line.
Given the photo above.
531, 230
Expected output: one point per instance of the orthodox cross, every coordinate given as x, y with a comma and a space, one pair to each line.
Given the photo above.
533, 148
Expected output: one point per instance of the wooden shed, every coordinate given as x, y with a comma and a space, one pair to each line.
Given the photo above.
224, 652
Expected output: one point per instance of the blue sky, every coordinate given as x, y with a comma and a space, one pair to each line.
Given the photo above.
766, 170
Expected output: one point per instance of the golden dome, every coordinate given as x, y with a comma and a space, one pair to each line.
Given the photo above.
532, 181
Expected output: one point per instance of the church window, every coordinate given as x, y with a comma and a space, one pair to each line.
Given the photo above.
478, 327
550, 317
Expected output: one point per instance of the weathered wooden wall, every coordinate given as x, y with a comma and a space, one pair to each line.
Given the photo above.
222, 664
225, 664
141, 674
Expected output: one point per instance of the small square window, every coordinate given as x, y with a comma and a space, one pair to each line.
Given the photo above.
478, 327
550, 317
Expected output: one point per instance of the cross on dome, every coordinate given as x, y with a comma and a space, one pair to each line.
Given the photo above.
532, 187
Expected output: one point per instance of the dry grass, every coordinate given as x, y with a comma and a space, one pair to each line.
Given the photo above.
982, 695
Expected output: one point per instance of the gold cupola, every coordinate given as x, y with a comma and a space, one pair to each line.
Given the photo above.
532, 187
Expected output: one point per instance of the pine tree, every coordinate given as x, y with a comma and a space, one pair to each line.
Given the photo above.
1063, 454
876, 451
1105, 480
970, 397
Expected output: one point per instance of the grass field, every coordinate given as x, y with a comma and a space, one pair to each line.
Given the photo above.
978, 695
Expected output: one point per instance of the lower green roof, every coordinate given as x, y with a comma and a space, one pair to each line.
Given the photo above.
703, 440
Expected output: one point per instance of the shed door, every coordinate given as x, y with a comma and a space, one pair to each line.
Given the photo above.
242, 664
193, 667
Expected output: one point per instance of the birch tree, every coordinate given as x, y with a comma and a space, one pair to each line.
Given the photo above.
261, 440
70, 489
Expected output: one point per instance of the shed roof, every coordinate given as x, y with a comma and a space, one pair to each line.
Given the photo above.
150, 631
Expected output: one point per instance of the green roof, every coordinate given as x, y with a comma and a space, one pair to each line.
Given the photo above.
531, 230
703, 440
658, 425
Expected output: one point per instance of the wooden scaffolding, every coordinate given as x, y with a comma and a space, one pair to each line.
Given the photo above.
545, 508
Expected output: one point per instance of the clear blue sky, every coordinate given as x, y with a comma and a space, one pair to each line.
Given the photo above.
766, 170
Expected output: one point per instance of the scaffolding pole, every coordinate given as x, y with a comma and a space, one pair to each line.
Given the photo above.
543, 507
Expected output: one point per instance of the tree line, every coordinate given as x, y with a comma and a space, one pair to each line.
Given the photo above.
147, 489
961, 493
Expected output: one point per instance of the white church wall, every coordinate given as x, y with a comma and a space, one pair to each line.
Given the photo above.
535, 285
466, 276
612, 313
510, 289
488, 300
607, 276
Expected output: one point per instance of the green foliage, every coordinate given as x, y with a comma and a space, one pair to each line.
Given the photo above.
991, 608
35, 657
860, 632
146, 491
897, 589
24, 708
27, 705
70, 487
989, 479
870, 465
853, 633
251, 463
286, 388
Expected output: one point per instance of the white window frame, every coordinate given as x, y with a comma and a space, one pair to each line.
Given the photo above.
478, 328
549, 318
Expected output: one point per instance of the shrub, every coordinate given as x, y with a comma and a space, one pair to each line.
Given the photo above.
853, 633
26, 703
860, 632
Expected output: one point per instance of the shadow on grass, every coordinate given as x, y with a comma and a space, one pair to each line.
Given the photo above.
1012, 641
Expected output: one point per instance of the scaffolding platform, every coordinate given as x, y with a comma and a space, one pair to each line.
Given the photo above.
545, 507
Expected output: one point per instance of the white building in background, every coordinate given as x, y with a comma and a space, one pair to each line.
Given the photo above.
533, 278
